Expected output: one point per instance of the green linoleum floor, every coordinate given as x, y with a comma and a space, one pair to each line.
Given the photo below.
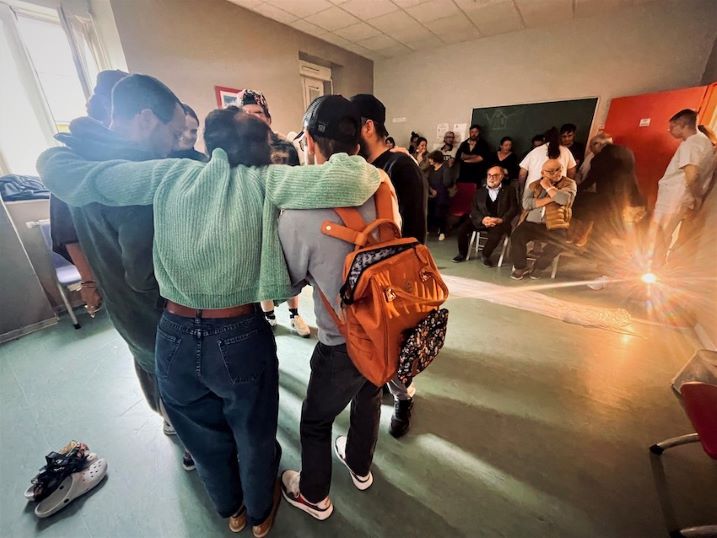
525, 426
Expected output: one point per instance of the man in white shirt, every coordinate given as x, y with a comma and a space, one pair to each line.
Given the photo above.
680, 187
531, 167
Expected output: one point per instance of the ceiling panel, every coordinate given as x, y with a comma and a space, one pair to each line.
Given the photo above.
357, 32
367, 9
390, 28
332, 19
275, 13
435, 9
496, 18
301, 9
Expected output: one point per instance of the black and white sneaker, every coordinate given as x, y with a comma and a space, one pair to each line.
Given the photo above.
188, 461
290, 490
361, 482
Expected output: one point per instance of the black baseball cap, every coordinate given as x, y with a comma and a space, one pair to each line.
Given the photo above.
370, 107
333, 117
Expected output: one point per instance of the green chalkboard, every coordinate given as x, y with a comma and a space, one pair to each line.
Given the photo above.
522, 122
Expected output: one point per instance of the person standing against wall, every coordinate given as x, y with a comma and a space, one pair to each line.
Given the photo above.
473, 155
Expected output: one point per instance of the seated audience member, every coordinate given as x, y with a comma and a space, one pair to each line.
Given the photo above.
473, 155
538, 140
332, 125
506, 159
494, 207
546, 217
390, 142
531, 167
439, 178
216, 254
421, 153
680, 189
597, 142
185, 145
567, 139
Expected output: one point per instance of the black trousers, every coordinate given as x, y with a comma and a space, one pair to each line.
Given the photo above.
495, 234
532, 231
334, 383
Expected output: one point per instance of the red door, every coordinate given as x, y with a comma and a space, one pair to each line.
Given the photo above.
640, 123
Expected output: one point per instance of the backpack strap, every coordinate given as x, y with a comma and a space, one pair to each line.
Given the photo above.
350, 230
384, 211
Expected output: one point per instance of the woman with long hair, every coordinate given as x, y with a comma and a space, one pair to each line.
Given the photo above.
532, 165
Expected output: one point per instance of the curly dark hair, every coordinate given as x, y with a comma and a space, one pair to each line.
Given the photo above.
244, 137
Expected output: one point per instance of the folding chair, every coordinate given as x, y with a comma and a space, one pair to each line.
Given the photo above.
476, 239
66, 275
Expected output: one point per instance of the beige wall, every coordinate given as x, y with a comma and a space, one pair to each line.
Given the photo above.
194, 45
644, 48
710, 74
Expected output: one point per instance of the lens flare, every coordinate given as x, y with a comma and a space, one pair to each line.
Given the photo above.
649, 278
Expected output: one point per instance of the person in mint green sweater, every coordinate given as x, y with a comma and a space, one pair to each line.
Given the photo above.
216, 254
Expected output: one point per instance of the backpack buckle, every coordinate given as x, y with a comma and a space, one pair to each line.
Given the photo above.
389, 294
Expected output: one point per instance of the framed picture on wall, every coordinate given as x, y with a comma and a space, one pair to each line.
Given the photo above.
225, 96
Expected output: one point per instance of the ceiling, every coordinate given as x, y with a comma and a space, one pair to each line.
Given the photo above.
379, 29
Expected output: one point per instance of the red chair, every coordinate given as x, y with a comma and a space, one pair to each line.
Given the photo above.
462, 202
700, 401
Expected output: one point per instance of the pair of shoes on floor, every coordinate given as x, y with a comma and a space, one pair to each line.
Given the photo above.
298, 325
322, 510
401, 419
238, 521
67, 475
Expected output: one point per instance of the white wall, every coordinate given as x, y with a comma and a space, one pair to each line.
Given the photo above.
644, 48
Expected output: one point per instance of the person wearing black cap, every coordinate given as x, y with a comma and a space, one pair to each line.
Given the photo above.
331, 126
413, 206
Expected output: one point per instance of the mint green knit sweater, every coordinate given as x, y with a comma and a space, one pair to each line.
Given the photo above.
216, 242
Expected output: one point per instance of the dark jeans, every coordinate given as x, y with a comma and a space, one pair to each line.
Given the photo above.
219, 380
495, 234
335, 382
149, 386
532, 231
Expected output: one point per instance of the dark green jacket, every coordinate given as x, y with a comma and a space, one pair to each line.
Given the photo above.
118, 244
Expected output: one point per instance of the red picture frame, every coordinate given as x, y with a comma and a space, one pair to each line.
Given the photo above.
225, 96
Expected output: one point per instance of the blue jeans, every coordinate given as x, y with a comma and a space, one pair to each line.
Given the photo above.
219, 381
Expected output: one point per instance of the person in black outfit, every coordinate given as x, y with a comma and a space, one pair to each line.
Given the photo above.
494, 208
412, 195
567, 139
506, 158
473, 155
185, 145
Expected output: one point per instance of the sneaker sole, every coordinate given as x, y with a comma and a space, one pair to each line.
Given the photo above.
188, 468
361, 486
321, 515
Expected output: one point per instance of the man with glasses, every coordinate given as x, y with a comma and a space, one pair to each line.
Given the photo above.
546, 217
494, 208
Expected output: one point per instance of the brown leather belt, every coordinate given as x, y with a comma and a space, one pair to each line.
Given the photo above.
210, 313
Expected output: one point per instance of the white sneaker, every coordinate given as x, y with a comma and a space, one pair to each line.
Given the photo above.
599, 283
300, 327
290, 490
361, 482
441, 237
168, 429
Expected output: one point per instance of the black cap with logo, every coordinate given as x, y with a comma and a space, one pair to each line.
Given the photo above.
333, 117
370, 107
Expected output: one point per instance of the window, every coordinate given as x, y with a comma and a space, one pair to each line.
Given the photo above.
42, 89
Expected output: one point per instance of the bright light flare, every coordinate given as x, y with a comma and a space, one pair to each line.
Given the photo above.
649, 278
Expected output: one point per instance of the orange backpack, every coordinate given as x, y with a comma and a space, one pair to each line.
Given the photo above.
391, 285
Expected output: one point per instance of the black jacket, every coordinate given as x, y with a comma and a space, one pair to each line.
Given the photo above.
411, 191
506, 209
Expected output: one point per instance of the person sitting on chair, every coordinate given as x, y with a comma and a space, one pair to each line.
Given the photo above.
494, 208
546, 217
